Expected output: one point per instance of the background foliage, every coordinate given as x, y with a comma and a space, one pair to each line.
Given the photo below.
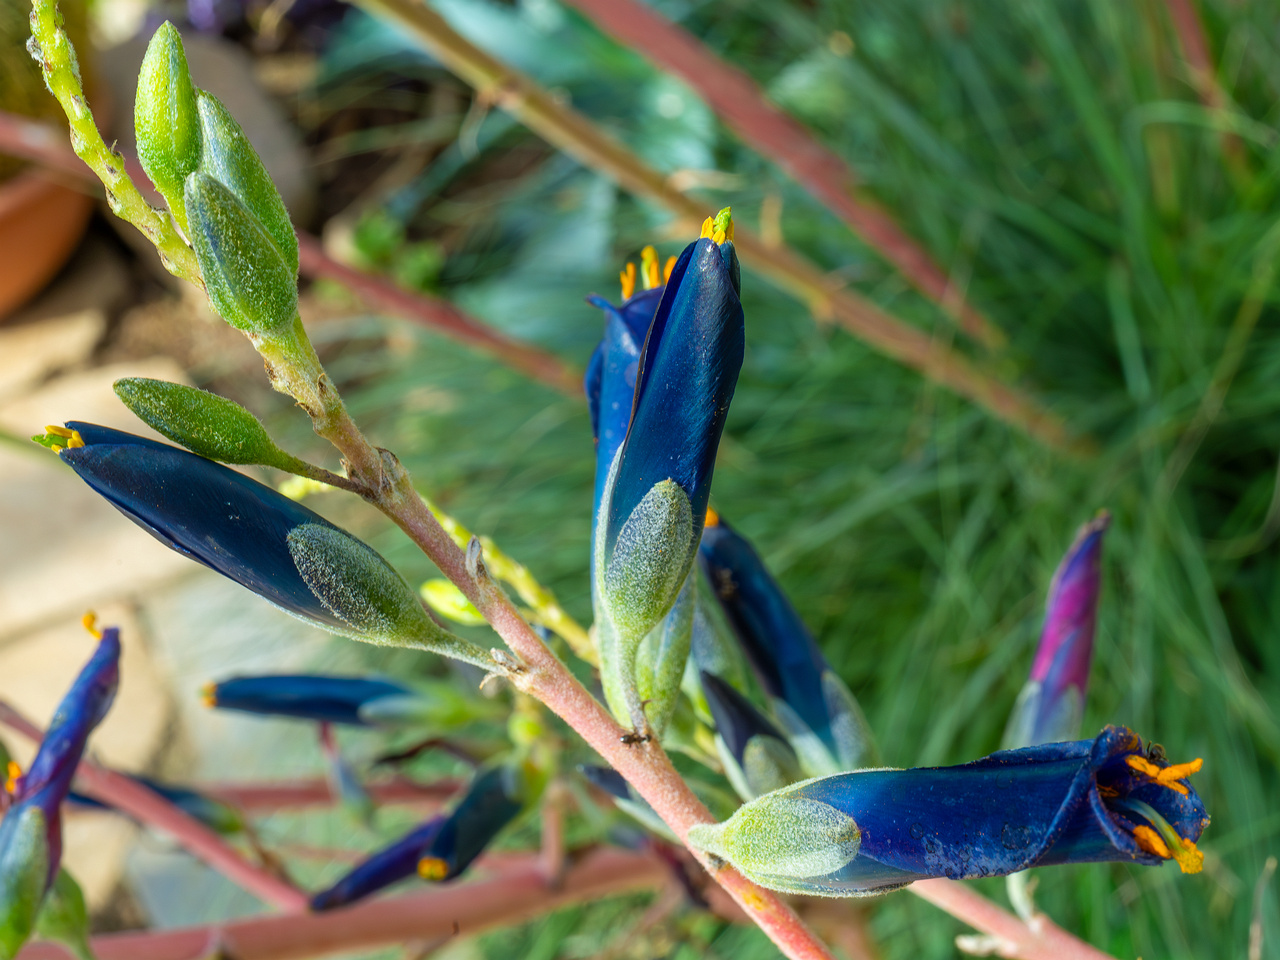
1054, 157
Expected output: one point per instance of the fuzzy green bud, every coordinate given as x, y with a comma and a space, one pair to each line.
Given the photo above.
360, 588
650, 561
779, 841
229, 158
203, 422
166, 122
24, 872
246, 278
661, 659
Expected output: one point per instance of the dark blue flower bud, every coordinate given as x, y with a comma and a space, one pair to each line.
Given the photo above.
810, 700
875, 830
389, 865
323, 699
248, 532
756, 755
31, 831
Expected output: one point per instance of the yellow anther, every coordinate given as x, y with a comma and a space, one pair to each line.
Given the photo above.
628, 278
722, 226
666, 271
1150, 841
72, 437
90, 623
12, 773
713, 518
209, 694
708, 228
432, 868
1166, 776
649, 274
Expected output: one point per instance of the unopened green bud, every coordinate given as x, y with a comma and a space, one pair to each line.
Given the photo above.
229, 158
780, 841
64, 917
661, 659
166, 122
24, 871
203, 422
246, 278
650, 561
360, 588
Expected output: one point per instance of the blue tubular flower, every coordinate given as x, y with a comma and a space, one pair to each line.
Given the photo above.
495, 798
214, 814
1051, 705
31, 831
248, 532
756, 755
324, 699
389, 865
812, 702
874, 830
654, 497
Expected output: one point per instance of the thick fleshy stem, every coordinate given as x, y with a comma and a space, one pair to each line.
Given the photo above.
53, 51
148, 807
517, 893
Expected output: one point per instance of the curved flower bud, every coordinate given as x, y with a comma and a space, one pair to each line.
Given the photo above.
757, 757
166, 123
389, 865
322, 699
1051, 705
654, 498
444, 846
214, 814
817, 710
876, 830
31, 831
249, 533
248, 280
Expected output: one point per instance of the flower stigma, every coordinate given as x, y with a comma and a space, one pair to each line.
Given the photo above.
90, 622
1162, 841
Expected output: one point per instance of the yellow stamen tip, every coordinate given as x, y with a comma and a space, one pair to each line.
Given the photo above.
649, 269
666, 271
90, 622
628, 280
713, 518
209, 694
1150, 841
708, 228
432, 868
1189, 859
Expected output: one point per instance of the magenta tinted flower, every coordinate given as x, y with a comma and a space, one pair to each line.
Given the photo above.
1051, 705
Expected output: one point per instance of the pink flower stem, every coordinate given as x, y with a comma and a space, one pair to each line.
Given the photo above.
1041, 939
520, 892
148, 807
268, 797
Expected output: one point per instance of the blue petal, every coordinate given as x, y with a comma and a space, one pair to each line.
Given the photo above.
204, 510
737, 719
324, 699
1009, 811
688, 370
779, 646
623, 349
389, 865
493, 801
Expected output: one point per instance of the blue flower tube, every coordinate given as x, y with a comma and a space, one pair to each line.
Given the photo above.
809, 698
871, 831
324, 699
756, 755
389, 865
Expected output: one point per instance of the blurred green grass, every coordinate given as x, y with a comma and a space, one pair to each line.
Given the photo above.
1054, 158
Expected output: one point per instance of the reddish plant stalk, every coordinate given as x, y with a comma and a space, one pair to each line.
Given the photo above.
1041, 939
148, 807
741, 104
268, 797
517, 894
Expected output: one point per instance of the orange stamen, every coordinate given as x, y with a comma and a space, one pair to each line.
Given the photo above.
1150, 841
90, 623
432, 868
628, 279
1166, 776
12, 772
666, 271
713, 518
